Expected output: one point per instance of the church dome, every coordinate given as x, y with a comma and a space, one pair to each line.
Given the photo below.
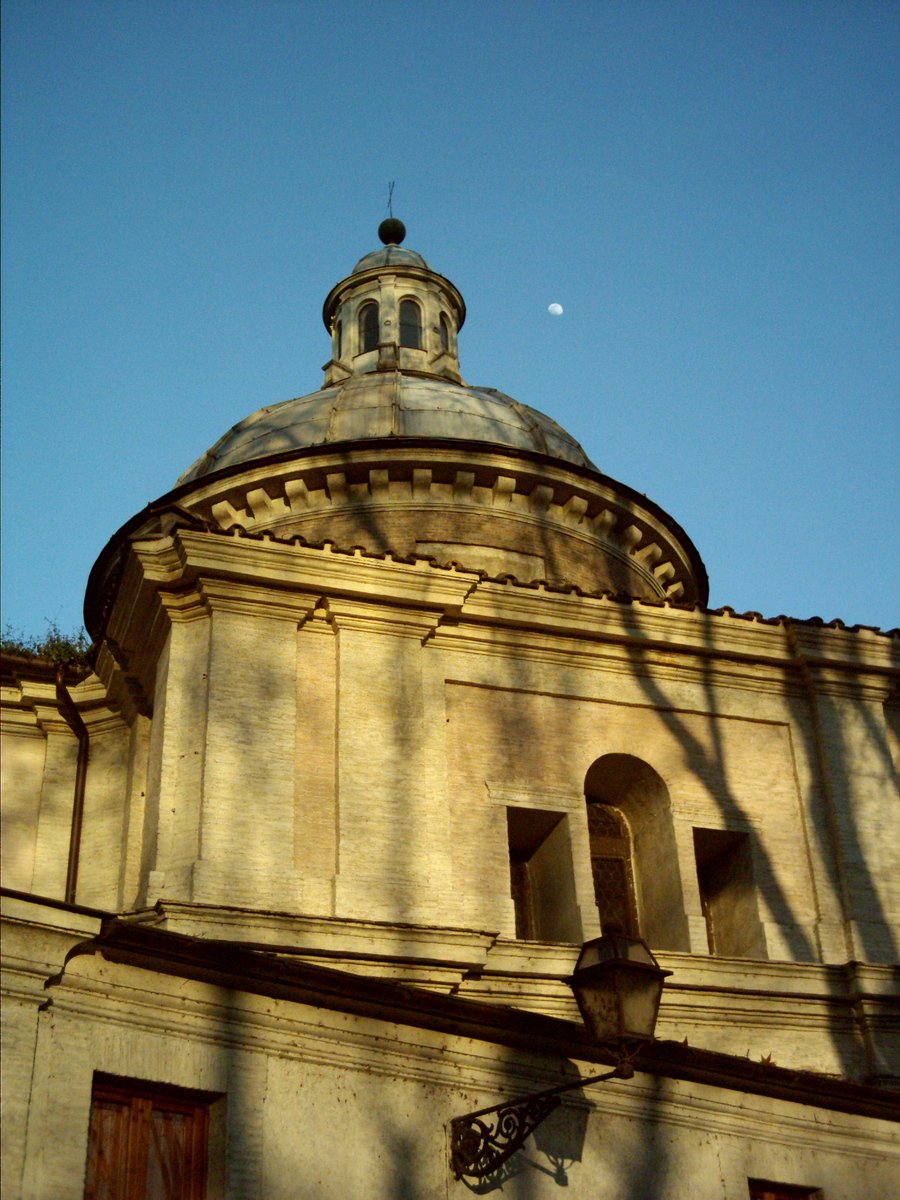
397, 454
394, 374
390, 405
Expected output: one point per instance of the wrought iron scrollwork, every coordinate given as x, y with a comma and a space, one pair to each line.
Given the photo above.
482, 1141
478, 1146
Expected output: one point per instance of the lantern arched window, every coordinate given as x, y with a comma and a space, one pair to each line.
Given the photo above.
368, 327
410, 324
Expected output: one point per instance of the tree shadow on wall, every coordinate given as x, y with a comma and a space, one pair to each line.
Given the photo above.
829, 789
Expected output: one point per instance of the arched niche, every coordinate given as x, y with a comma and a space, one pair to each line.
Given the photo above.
632, 788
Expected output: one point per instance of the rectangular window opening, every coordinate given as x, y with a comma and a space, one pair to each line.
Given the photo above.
728, 893
148, 1141
765, 1189
541, 876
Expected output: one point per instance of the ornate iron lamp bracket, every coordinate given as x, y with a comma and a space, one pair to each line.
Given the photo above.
482, 1141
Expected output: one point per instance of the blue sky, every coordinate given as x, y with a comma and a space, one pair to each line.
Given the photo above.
709, 189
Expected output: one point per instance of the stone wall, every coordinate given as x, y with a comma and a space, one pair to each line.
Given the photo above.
343, 735
313, 1102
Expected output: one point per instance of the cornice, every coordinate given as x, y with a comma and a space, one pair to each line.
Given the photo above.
29, 692
458, 480
498, 970
484, 615
461, 946
184, 604
849, 681
618, 656
659, 624
53, 916
239, 596
362, 616
821, 1016
398, 977
51, 721
135, 999
31, 707
669, 629
162, 559
293, 568
20, 722
862, 644
465, 949
231, 967
180, 576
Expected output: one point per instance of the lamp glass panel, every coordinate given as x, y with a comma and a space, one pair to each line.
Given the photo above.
599, 1004
614, 947
589, 956
639, 997
636, 951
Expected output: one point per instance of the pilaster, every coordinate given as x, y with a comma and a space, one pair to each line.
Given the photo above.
248, 810
54, 825
857, 758
394, 855
175, 776
315, 797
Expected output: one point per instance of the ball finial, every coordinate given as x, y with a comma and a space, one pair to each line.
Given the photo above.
392, 231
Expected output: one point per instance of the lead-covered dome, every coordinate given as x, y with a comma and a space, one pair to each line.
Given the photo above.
390, 405
390, 256
394, 373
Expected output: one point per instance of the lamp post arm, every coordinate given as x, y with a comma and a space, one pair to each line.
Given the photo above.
482, 1141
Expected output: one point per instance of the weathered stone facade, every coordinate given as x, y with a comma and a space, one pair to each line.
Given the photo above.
351, 666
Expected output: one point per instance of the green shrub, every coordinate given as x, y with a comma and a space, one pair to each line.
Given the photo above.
70, 649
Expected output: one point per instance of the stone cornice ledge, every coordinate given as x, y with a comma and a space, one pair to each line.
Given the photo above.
49, 913
318, 571
445, 946
232, 966
673, 629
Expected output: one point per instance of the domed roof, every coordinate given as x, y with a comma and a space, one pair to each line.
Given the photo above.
390, 256
394, 405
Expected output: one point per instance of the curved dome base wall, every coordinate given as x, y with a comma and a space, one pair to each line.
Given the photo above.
486, 510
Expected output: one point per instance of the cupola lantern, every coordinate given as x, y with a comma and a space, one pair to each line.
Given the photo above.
393, 313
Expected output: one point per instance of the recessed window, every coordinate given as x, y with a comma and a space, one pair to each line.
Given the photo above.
728, 893
541, 879
611, 868
410, 325
764, 1189
147, 1141
338, 339
368, 327
634, 851
444, 330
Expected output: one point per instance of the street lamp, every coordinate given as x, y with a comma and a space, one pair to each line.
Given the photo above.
618, 984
